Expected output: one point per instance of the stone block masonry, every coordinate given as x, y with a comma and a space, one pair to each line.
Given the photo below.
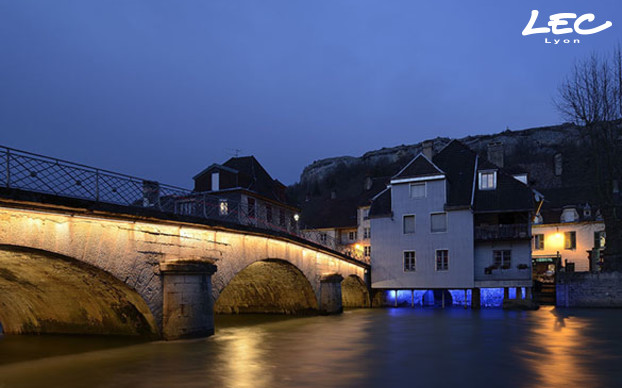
330, 294
585, 289
188, 307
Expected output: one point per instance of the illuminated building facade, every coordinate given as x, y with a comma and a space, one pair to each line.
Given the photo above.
574, 235
452, 222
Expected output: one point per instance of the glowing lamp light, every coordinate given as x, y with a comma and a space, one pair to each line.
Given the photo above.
296, 217
556, 241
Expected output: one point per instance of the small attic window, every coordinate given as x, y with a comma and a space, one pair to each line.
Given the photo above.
215, 181
487, 180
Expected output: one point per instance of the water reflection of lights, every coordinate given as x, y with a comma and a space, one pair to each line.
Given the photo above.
243, 359
558, 351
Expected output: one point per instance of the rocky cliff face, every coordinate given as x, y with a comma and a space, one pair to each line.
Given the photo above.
552, 156
542, 142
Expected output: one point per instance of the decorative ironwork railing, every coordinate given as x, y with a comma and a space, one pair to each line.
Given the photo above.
41, 174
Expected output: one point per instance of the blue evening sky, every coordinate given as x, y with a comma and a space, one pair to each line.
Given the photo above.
161, 89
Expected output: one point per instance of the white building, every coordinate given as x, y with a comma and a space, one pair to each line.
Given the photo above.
453, 222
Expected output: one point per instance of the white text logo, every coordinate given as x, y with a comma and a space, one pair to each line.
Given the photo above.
559, 21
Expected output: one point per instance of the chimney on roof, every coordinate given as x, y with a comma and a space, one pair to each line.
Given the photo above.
428, 149
495, 153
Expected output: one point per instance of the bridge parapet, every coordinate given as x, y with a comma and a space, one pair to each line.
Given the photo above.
36, 173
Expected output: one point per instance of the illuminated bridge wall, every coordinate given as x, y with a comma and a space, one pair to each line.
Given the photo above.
132, 250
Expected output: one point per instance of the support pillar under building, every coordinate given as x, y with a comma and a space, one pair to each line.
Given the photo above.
188, 310
330, 294
476, 298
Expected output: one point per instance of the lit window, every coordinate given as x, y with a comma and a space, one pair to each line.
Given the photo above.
409, 224
502, 259
487, 180
367, 251
442, 260
570, 240
223, 207
409, 261
438, 222
599, 239
538, 244
417, 190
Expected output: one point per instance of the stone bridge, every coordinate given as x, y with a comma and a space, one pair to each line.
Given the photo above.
73, 267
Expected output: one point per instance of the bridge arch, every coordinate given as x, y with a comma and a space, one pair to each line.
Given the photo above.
272, 286
44, 292
354, 292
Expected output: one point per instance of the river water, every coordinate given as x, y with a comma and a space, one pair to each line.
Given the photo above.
398, 347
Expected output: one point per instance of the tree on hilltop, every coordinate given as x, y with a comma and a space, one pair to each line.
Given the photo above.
591, 96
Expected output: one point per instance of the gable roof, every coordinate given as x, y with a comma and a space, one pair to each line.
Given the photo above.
460, 166
381, 204
214, 166
459, 163
419, 167
251, 176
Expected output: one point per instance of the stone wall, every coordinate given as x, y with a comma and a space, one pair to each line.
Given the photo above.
585, 289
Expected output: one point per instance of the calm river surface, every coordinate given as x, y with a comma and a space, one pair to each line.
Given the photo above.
361, 348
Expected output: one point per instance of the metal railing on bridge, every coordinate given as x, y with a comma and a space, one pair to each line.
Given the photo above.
42, 174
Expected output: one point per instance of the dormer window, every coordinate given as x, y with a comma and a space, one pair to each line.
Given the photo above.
487, 180
569, 215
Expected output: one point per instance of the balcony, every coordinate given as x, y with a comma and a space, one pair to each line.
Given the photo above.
502, 232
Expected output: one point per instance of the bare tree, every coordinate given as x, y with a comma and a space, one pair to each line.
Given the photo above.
591, 96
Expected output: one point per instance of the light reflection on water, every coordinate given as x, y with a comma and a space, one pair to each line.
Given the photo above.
361, 348
561, 349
